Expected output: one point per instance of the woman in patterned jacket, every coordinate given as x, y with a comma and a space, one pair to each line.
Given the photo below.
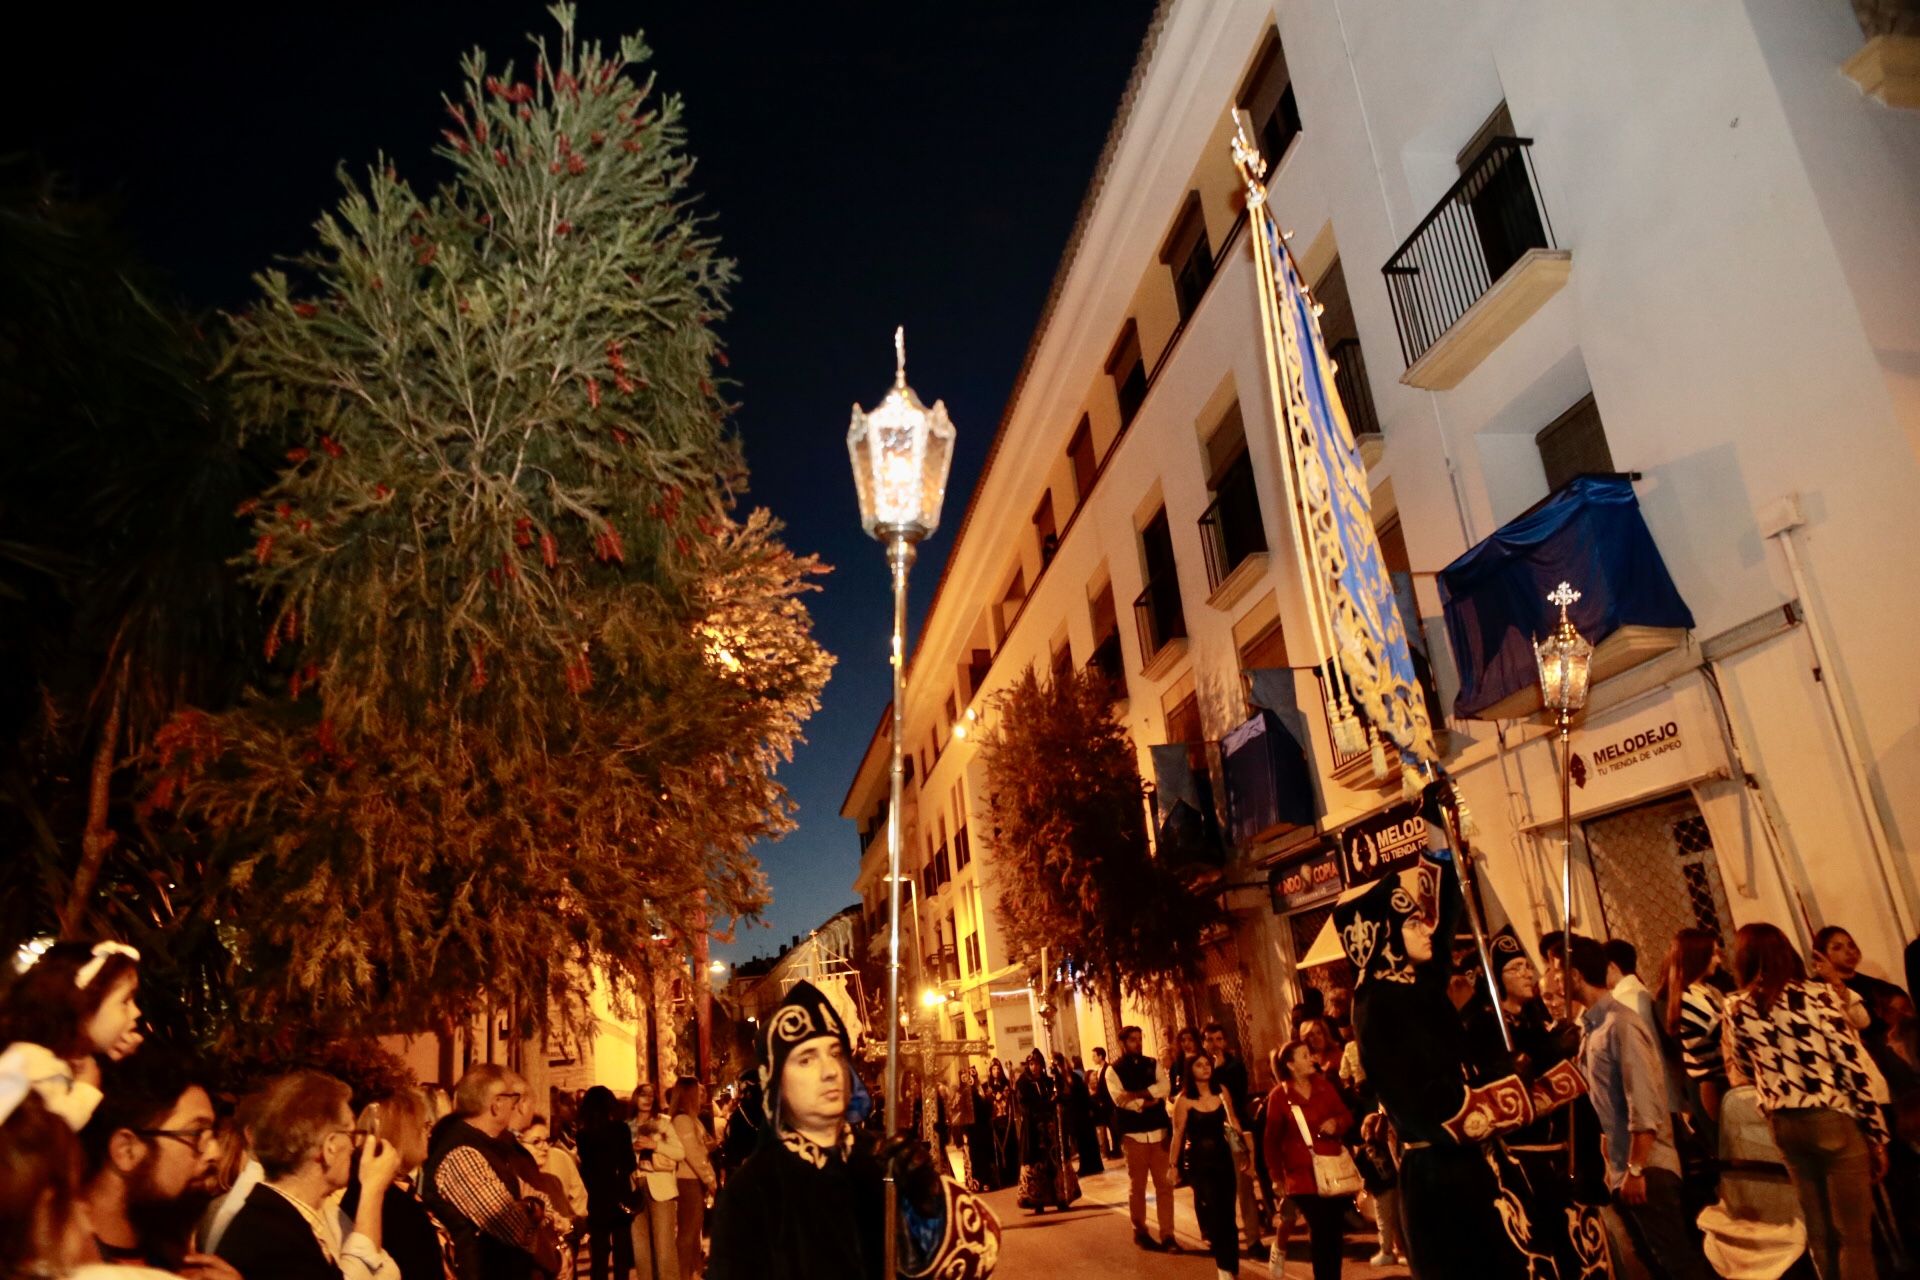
1791, 1038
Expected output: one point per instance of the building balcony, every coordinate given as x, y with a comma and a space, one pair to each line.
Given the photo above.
1162, 622
1475, 269
1233, 538
1590, 534
1356, 397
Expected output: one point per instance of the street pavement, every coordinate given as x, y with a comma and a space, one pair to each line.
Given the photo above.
1094, 1241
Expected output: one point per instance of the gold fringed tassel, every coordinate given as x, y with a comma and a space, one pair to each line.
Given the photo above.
1468, 827
1377, 750
1349, 739
1411, 784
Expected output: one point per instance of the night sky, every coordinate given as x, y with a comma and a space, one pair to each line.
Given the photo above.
868, 165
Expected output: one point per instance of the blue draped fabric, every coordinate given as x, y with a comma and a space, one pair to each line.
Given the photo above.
1589, 534
1269, 782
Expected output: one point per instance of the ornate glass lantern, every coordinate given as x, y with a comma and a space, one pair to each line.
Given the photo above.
1565, 659
901, 453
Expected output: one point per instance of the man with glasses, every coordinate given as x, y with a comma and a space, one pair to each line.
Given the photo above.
470, 1184
292, 1227
149, 1148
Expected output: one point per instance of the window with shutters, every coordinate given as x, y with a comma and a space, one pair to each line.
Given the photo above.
1129, 373
1267, 97
1189, 256
1045, 532
1085, 466
1574, 444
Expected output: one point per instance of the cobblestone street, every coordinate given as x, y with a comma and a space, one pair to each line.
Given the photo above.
1093, 1240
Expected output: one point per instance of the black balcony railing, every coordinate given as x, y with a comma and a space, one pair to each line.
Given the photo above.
1350, 380
1230, 529
1157, 612
1483, 225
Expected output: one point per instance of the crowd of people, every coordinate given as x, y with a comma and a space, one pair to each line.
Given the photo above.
123, 1158
1746, 1114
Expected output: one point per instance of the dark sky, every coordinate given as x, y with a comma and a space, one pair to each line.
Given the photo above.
910, 163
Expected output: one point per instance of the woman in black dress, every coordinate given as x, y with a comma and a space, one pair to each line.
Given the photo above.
607, 1167
1204, 1160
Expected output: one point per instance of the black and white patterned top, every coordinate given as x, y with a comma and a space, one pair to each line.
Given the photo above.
1702, 1009
1802, 1053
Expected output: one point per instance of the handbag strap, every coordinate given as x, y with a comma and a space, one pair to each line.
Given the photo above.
1300, 1118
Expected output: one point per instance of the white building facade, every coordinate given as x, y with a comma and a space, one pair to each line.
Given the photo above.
1668, 243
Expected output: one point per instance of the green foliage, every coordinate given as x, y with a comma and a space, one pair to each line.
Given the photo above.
533, 676
117, 605
1068, 815
371, 1070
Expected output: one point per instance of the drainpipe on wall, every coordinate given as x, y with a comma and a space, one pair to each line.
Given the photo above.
1778, 522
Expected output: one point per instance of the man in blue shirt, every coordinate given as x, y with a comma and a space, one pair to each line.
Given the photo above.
1629, 1093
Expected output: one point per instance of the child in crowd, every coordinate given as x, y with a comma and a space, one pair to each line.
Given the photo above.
76, 1003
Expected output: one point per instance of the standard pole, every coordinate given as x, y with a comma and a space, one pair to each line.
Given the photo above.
1470, 898
899, 557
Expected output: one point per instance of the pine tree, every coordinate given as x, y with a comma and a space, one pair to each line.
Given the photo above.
1068, 815
535, 674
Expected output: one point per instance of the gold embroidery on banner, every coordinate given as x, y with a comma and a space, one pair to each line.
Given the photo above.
1364, 625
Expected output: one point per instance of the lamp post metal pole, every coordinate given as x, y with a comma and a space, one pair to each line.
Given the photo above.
1566, 902
899, 557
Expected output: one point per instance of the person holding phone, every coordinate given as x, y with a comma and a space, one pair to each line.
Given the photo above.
290, 1228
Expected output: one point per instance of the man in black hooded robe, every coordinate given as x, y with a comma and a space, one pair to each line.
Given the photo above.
810, 1202
1465, 1203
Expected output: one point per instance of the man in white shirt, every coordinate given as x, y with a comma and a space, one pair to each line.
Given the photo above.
1140, 1114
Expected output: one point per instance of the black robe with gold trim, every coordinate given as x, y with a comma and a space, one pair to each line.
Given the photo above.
1465, 1203
796, 1211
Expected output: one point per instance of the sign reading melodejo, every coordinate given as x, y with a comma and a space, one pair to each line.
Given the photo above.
1383, 844
1312, 880
1635, 746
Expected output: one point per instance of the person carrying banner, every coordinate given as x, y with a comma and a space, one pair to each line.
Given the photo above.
1466, 1204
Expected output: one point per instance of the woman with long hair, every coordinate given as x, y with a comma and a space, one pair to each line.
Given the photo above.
1791, 1037
1046, 1172
1204, 1159
607, 1167
410, 1235
656, 1220
1693, 1014
695, 1172
1305, 1118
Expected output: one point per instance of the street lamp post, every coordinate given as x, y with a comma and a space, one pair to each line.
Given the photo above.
1566, 661
901, 452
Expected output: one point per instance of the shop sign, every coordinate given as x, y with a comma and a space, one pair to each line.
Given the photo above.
1390, 841
1657, 746
1305, 883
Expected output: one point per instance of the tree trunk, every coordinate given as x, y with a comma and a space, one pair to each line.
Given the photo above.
702, 1002
98, 836
1110, 1008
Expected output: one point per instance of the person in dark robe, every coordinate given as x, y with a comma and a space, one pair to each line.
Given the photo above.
1566, 1203
1006, 1131
1465, 1203
810, 1202
1046, 1173
985, 1163
1077, 1112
